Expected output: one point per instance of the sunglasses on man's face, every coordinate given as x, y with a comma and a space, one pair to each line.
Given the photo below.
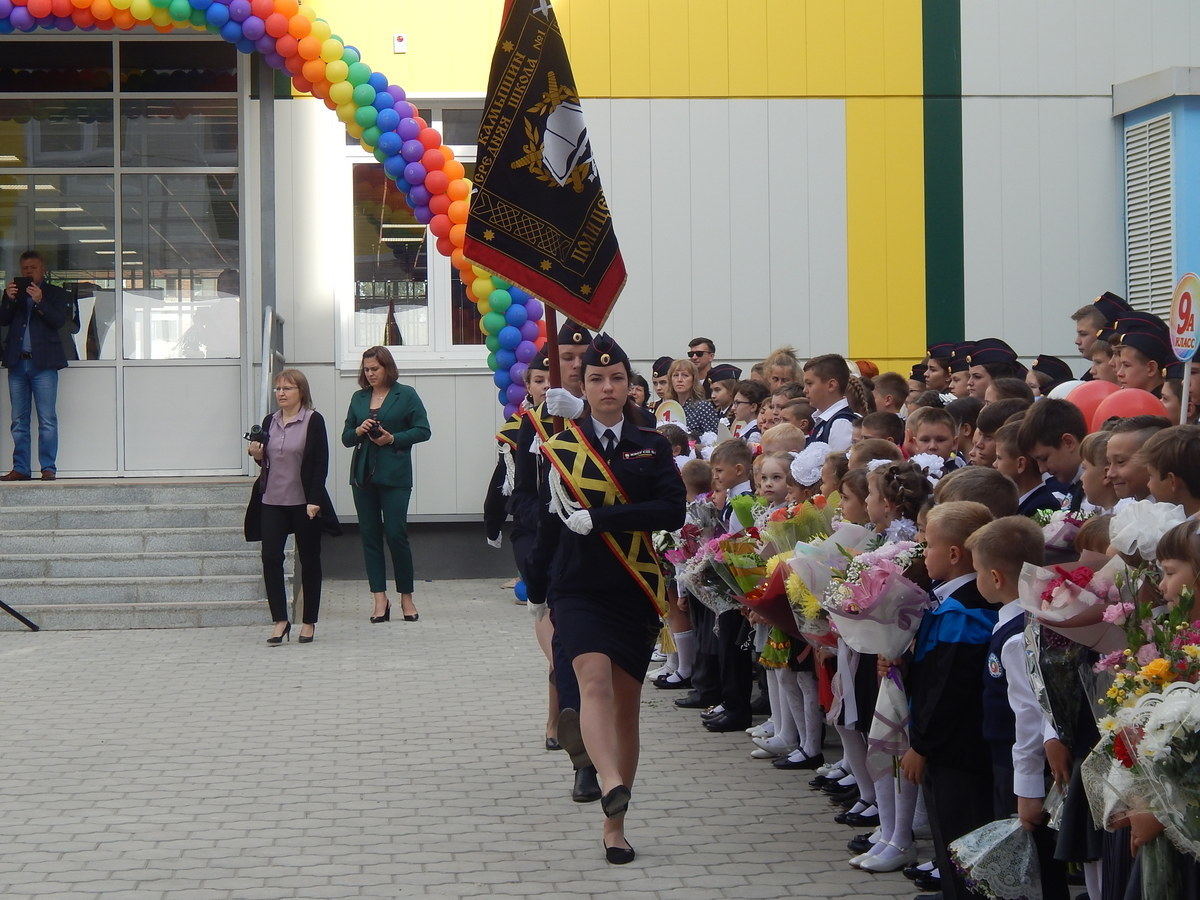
698, 352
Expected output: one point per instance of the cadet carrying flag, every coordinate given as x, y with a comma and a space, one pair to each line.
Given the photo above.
538, 216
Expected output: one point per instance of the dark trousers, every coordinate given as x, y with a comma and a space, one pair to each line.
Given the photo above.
958, 802
735, 662
706, 673
383, 511
277, 523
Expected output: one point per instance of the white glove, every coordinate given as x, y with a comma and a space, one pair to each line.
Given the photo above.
580, 521
537, 610
497, 542
561, 402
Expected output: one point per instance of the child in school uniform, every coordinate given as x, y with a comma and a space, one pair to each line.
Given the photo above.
991, 417
1170, 458
933, 431
1127, 473
1013, 723
1098, 491
948, 757
1051, 433
826, 379
1019, 468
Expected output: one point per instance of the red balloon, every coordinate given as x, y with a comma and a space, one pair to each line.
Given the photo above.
1124, 404
439, 226
295, 64
62, 8
436, 181
1089, 394
287, 47
39, 9
276, 25
439, 204
303, 85
262, 8
433, 160
431, 139
444, 246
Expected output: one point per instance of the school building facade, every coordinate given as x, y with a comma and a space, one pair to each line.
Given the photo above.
856, 177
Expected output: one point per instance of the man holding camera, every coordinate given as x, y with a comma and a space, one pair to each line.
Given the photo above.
34, 311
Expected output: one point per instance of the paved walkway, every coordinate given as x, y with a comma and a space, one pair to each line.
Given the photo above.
399, 760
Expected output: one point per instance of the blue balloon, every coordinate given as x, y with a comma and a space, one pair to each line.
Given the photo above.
509, 337
388, 119
518, 295
502, 396
245, 45
501, 379
516, 315
378, 81
383, 100
521, 591
201, 5
217, 15
505, 358
389, 141
394, 166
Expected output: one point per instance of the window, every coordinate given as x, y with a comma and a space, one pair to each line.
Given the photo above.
407, 295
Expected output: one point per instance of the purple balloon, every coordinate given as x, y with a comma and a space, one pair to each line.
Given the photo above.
264, 43
529, 331
517, 372
419, 195
516, 393
6, 7
409, 128
414, 173
22, 20
527, 351
254, 28
534, 308
411, 150
422, 215
65, 23
274, 60
397, 92
510, 409
239, 10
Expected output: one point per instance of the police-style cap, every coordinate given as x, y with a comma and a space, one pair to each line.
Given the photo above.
1151, 343
573, 333
722, 372
541, 362
1175, 370
992, 356
958, 356
944, 350
994, 344
1111, 306
917, 373
661, 366
604, 351
1136, 320
1053, 368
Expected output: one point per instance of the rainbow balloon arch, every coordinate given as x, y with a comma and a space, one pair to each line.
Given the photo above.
291, 37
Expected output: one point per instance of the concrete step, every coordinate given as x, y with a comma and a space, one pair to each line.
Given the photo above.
177, 590
110, 565
125, 491
182, 515
107, 616
124, 540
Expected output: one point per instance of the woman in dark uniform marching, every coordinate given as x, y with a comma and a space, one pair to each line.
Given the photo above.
611, 481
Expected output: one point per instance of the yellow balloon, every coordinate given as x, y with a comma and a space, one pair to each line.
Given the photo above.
484, 306
162, 17
354, 130
321, 31
481, 328
332, 49
482, 273
121, 4
142, 10
308, 12
340, 91
481, 288
345, 111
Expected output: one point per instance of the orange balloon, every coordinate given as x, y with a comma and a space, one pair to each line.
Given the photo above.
310, 48
457, 260
458, 212
61, 8
313, 69
458, 235
287, 7
299, 27
446, 152
459, 189
453, 168
102, 10
39, 9
81, 4
321, 91
124, 19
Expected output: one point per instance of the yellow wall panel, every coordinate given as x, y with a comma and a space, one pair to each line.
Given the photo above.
708, 42
902, 47
825, 53
787, 49
864, 47
593, 71
628, 48
747, 34
885, 225
669, 50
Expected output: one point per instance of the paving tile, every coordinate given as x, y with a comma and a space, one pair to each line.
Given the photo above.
389, 761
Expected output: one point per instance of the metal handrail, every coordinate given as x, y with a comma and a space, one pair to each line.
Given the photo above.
273, 361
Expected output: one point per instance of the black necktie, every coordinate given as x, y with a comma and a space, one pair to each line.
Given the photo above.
610, 441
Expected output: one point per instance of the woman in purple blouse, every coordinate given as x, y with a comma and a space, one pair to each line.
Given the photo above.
289, 497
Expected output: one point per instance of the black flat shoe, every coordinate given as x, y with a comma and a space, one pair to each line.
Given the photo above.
619, 856
587, 786
615, 802
692, 701
278, 639
928, 882
858, 820
860, 844
553, 744
386, 617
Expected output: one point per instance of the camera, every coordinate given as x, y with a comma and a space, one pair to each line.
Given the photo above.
375, 432
255, 435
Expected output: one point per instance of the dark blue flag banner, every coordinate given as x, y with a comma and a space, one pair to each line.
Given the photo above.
538, 216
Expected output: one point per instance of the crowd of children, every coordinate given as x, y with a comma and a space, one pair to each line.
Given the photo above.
971, 456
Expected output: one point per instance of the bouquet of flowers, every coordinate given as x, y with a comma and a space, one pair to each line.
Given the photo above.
810, 570
792, 525
1061, 526
738, 563
1074, 600
877, 608
750, 510
691, 556
999, 860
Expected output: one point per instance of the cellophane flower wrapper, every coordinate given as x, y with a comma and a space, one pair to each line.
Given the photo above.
1168, 755
1060, 527
812, 566
808, 521
999, 861
770, 597
1075, 601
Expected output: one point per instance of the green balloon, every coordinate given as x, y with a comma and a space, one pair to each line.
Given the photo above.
500, 300
359, 73
371, 134
198, 18
379, 155
160, 4
350, 56
180, 10
492, 363
501, 283
492, 342
493, 322
366, 116
364, 95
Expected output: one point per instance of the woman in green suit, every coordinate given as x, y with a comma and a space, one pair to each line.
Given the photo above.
385, 419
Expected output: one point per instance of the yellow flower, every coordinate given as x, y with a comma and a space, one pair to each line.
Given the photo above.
1157, 670
1192, 651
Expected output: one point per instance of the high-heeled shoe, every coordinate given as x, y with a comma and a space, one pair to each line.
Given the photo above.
307, 638
414, 617
619, 856
615, 802
278, 639
386, 617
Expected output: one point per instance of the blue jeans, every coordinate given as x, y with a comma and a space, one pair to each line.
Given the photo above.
26, 383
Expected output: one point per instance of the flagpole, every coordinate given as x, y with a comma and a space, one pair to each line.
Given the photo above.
552, 357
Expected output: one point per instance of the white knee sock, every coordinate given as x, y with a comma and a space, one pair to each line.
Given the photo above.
785, 723
814, 720
897, 801
685, 649
1093, 877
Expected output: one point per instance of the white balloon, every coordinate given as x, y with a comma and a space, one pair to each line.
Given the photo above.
1060, 391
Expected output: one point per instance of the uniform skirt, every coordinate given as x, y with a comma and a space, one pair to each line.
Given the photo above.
623, 627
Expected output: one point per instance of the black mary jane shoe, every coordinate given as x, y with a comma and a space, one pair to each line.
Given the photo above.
553, 744
615, 802
619, 856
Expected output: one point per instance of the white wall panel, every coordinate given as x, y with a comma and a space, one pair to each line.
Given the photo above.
825, 174
983, 213
671, 210
717, 168
750, 298
789, 227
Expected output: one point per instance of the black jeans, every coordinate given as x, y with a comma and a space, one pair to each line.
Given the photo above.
277, 523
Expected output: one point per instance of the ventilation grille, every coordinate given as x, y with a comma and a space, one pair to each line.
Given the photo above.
1150, 216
